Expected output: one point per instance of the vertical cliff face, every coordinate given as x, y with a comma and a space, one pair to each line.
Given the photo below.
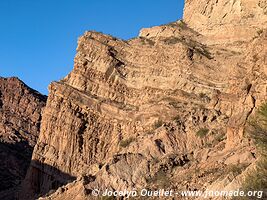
171, 103
226, 20
20, 118
220, 12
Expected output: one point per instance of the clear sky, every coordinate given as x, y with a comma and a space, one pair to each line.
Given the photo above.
38, 38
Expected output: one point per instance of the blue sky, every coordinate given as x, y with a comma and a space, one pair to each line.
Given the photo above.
38, 38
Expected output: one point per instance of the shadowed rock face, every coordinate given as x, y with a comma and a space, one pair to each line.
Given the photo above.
45, 181
20, 118
164, 110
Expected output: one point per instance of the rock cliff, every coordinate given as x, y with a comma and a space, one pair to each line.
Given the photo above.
224, 21
166, 109
20, 118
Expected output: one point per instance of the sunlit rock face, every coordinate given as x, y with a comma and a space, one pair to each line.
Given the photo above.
226, 20
166, 109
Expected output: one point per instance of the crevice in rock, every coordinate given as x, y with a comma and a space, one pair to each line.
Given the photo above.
252, 109
249, 86
1, 101
160, 145
82, 129
190, 53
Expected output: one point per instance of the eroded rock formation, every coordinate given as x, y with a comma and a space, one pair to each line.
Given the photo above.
224, 21
166, 109
20, 118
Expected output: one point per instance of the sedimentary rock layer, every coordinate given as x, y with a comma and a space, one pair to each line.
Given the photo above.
20, 118
166, 109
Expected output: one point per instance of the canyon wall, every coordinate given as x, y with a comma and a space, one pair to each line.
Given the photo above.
224, 21
20, 119
166, 109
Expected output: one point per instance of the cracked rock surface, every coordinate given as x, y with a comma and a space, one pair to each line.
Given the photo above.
166, 109
20, 119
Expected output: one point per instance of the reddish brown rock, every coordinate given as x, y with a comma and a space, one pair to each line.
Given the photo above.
164, 110
20, 118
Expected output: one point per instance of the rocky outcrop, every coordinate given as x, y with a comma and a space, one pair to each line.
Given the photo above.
20, 118
224, 21
166, 109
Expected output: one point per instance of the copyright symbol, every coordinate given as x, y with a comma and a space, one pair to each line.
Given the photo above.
95, 192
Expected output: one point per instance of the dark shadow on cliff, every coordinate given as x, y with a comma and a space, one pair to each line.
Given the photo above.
15, 159
1, 102
42, 180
